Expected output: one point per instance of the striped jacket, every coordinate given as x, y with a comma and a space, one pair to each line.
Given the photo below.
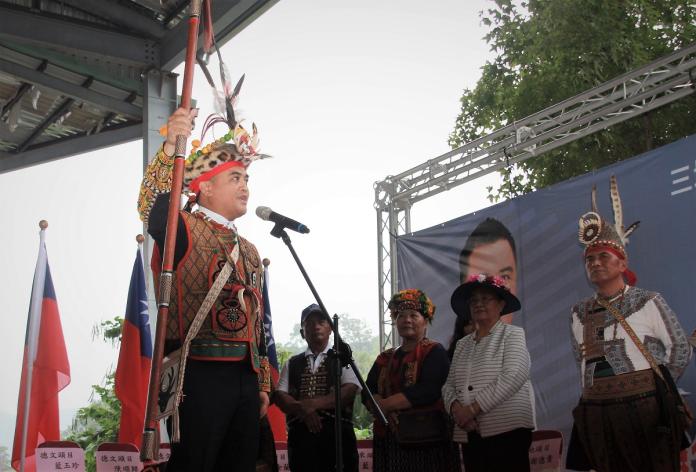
495, 373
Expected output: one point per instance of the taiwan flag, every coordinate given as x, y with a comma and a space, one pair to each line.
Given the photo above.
45, 369
275, 416
134, 359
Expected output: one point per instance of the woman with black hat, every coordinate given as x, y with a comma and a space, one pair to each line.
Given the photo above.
488, 392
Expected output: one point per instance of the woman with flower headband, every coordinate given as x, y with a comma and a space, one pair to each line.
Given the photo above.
488, 391
408, 382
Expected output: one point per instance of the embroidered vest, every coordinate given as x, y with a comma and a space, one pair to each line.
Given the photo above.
304, 384
233, 329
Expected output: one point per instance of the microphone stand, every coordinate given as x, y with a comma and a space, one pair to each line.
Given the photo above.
341, 352
335, 353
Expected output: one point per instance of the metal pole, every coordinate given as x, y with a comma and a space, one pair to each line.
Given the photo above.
32, 337
337, 395
381, 275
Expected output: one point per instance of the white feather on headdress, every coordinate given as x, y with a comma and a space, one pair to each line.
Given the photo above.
616, 205
618, 213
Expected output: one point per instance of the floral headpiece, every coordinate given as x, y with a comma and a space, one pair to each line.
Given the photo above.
493, 280
218, 156
412, 299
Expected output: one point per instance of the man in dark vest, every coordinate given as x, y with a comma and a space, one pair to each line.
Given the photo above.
305, 395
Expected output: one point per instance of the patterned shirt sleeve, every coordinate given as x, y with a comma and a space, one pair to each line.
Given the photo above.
575, 336
669, 331
157, 179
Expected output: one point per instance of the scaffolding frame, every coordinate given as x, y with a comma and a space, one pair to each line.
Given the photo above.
663, 81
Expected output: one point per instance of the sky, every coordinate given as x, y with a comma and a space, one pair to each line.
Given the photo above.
343, 94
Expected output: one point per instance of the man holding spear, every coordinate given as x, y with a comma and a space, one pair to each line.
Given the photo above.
218, 336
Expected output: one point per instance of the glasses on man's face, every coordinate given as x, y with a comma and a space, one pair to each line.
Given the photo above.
484, 300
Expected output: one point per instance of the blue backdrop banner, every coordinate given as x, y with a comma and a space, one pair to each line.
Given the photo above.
545, 261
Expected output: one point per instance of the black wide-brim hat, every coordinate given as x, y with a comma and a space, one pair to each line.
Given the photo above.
461, 295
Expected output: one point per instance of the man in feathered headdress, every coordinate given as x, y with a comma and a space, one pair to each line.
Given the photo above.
622, 422
227, 378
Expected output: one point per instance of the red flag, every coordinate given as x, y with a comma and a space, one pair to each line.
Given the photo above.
45, 369
134, 359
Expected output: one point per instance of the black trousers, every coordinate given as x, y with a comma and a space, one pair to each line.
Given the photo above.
505, 452
219, 419
309, 452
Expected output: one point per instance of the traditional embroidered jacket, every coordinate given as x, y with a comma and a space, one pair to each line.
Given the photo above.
603, 348
395, 371
233, 330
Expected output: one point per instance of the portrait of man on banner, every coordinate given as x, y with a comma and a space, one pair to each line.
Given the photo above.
490, 249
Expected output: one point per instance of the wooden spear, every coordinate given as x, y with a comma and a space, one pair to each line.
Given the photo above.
150, 447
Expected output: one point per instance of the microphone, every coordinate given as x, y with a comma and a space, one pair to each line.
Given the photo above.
267, 214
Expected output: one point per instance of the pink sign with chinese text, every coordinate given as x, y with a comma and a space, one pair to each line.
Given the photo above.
118, 457
60, 455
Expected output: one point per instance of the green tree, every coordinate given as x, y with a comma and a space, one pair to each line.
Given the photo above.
549, 50
365, 347
99, 421
284, 353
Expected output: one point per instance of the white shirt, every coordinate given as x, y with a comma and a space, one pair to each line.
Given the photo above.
314, 361
494, 372
218, 218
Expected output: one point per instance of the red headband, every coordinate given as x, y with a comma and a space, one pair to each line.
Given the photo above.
195, 184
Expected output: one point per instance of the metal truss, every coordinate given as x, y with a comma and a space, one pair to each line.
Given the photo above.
627, 96
396, 220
